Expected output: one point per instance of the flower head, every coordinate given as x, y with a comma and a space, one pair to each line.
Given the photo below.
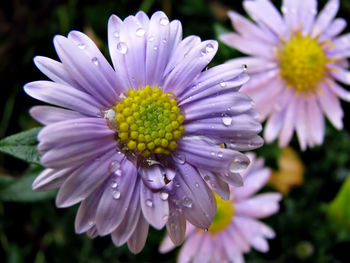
296, 59
132, 142
235, 228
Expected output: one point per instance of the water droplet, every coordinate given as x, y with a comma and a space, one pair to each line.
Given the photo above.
116, 34
164, 196
95, 61
205, 229
149, 203
164, 40
226, 120
122, 47
220, 154
284, 10
197, 185
116, 194
206, 178
187, 202
180, 158
118, 172
155, 48
81, 46
113, 166
244, 67
209, 48
140, 32
114, 184
151, 38
223, 84
164, 21
212, 153
165, 218
237, 165
109, 114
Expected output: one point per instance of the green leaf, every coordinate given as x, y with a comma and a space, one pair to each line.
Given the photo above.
338, 209
22, 145
20, 190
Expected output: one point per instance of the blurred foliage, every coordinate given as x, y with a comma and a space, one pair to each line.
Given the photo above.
32, 229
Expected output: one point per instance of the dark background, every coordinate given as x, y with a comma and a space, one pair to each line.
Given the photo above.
36, 231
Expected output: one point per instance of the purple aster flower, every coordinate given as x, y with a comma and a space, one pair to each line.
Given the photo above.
296, 59
235, 228
131, 143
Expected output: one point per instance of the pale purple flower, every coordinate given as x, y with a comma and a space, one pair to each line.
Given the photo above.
235, 228
128, 142
296, 60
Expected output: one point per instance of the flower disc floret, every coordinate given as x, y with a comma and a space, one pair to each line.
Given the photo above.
223, 217
302, 63
149, 121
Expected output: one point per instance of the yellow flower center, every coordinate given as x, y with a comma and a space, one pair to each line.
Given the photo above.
223, 216
149, 121
302, 63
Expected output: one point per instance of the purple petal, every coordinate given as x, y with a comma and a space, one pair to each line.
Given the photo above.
259, 206
334, 29
252, 183
218, 185
189, 250
84, 180
207, 156
289, 121
231, 250
315, 121
157, 50
301, 124
198, 202
247, 46
127, 227
176, 225
55, 71
48, 115
187, 69
307, 12
138, 239
75, 153
86, 215
325, 17
154, 208
340, 91
231, 103
223, 78
63, 96
75, 130
89, 69
248, 29
50, 179
116, 197
152, 176
264, 12
331, 106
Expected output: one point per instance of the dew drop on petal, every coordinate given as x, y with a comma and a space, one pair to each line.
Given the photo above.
164, 196
81, 46
95, 61
150, 38
212, 153
223, 84
118, 172
116, 194
180, 158
220, 154
227, 120
205, 229
244, 67
113, 166
122, 47
165, 218
237, 165
149, 203
197, 185
209, 48
114, 184
187, 202
116, 34
164, 21
155, 48
140, 32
